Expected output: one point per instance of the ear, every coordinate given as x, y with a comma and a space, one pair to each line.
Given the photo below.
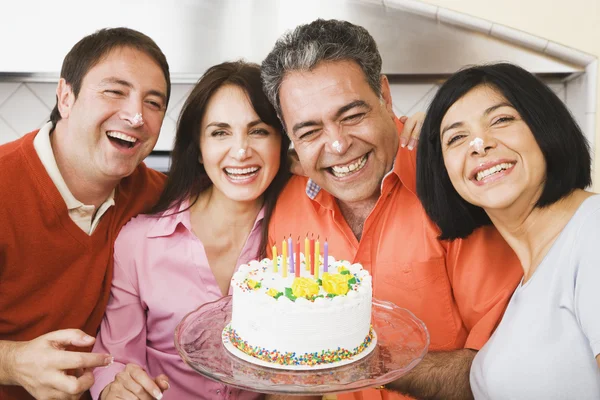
386, 94
64, 98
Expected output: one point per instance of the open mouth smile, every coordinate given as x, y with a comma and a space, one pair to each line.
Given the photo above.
343, 170
241, 174
121, 140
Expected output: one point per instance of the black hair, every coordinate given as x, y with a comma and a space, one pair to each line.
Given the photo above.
563, 145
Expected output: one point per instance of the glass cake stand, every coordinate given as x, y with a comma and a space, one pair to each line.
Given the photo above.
402, 342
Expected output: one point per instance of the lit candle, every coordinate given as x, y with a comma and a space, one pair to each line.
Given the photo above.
307, 253
325, 256
317, 258
297, 265
312, 257
284, 258
291, 251
275, 258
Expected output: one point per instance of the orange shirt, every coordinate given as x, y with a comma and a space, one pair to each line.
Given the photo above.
459, 288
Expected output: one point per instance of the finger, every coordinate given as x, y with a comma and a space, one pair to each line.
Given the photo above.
403, 118
409, 126
162, 381
73, 360
69, 337
414, 139
72, 385
147, 383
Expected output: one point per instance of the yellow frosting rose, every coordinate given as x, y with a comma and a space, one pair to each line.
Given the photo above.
305, 287
252, 284
272, 292
335, 283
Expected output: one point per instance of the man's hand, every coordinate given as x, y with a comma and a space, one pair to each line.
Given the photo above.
134, 383
40, 365
412, 130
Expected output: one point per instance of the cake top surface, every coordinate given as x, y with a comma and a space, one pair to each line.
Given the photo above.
330, 282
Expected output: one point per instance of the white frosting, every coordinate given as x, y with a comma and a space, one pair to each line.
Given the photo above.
477, 143
300, 326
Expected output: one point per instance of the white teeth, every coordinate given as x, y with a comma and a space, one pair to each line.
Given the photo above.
496, 168
347, 169
241, 171
122, 136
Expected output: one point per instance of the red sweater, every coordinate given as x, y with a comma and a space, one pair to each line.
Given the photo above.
52, 274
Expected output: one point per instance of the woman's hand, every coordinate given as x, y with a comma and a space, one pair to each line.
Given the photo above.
134, 383
412, 130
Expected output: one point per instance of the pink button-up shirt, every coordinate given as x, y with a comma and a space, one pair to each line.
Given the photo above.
161, 273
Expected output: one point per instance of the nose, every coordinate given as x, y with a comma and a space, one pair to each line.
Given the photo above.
480, 145
242, 151
338, 142
132, 113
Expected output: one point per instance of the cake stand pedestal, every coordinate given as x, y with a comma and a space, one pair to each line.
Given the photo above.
402, 342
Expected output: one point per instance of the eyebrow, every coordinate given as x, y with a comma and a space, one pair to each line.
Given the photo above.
485, 113
339, 113
122, 82
226, 125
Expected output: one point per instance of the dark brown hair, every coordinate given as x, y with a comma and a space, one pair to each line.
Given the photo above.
187, 177
90, 50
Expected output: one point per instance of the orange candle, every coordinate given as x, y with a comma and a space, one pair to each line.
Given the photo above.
275, 258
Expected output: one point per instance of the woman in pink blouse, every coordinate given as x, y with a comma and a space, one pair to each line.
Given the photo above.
228, 166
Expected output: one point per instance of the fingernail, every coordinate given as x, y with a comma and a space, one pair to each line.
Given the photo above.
87, 339
157, 394
411, 144
109, 360
168, 386
402, 142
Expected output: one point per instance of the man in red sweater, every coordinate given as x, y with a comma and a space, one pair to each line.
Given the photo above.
68, 190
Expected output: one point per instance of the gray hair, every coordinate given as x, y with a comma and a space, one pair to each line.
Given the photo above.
322, 40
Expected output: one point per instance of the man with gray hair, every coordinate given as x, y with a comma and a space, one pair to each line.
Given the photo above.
325, 81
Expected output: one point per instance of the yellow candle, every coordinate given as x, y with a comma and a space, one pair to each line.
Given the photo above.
274, 258
307, 253
284, 258
317, 259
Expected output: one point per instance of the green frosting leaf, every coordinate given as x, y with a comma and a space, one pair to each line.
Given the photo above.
331, 295
278, 295
289, 294
319, 282
352, 281
346, 272
258, 285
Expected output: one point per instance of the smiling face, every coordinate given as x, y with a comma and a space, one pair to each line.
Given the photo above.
491, 156
240, 153
106, 137
344, 134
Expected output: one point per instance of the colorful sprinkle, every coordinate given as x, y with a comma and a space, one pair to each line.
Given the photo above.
310, 359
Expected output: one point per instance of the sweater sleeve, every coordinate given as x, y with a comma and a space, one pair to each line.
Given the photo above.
123, 330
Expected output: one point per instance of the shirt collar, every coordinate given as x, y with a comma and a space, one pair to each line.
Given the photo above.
167, 222
43, 148
403, 168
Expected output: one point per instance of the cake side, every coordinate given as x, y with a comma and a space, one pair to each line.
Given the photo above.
302, 315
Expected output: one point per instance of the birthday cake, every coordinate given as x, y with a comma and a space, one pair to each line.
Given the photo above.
300, 315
